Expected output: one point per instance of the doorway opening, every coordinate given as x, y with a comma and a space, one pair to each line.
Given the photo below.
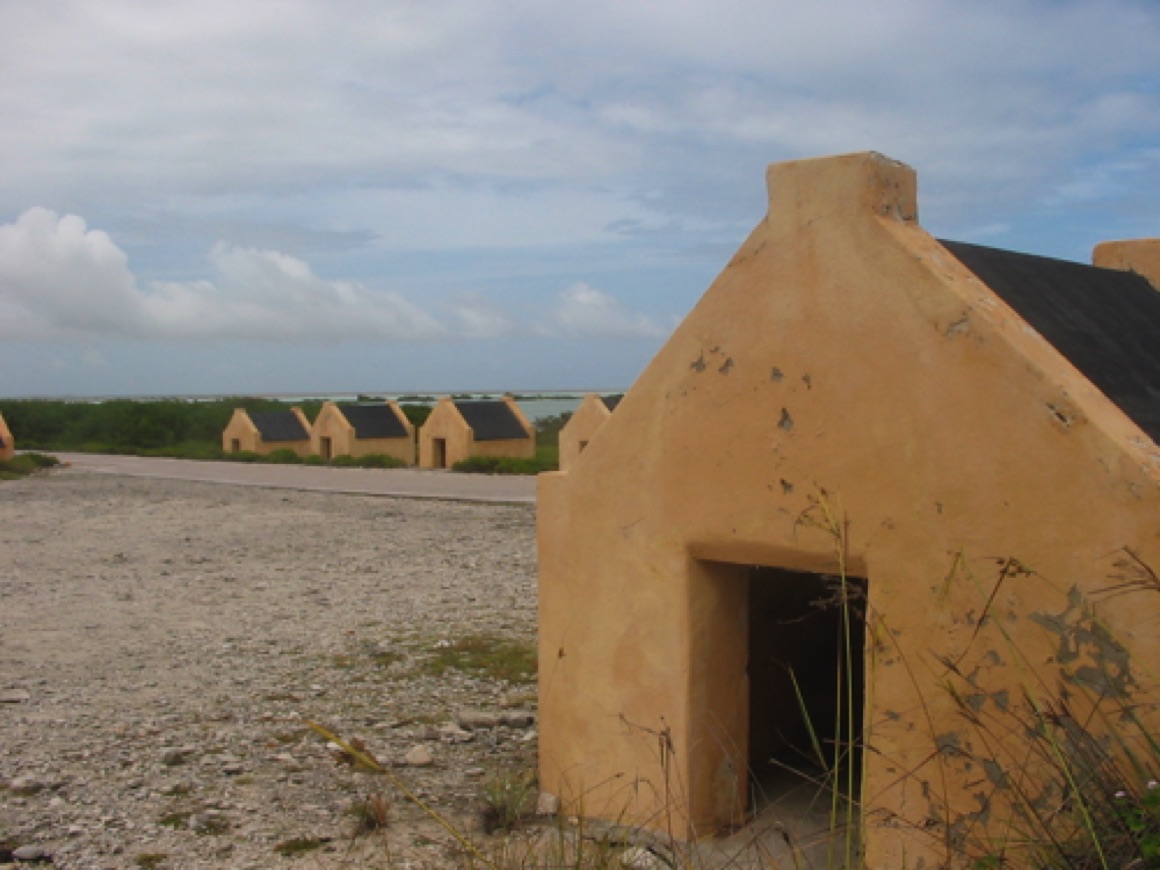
439, 452
326, 448
235, 445
806, 668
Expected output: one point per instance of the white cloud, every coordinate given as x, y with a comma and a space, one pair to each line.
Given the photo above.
59, 279
583, 311
476, 317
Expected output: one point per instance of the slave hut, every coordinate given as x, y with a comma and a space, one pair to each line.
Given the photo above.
905, 490
363, 429
263, 432
589, 416
459, 429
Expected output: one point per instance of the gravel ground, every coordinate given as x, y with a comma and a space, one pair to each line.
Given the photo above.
162, 644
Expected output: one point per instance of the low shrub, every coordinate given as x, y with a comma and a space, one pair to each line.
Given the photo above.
500, 465
24, 464
282, 456
243, 456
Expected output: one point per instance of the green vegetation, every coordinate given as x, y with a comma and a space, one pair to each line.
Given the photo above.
547, 453
497, 658
165, 427
149, 860
300, 846
25, 464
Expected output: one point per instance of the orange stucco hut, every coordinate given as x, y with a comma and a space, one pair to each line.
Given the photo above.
459, 429
363, 429
263, 432
584, 423
7, 442
912, 486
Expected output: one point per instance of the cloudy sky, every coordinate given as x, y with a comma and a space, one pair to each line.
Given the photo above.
389, 195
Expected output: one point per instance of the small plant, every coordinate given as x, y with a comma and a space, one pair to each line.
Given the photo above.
506, 796
1139, 813
370, 813
300, 846
149, 860
176, 820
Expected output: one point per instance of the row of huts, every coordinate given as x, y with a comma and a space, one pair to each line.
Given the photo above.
456, 430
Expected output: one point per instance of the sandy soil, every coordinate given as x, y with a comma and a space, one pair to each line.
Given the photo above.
162, 644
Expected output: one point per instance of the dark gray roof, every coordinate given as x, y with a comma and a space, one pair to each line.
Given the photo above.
377, 420
610, 402
491, 420
1104, 321
279, 426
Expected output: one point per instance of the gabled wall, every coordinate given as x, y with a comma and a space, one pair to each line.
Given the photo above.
332, 424
846, 397
242, 430
581, 428
7, 442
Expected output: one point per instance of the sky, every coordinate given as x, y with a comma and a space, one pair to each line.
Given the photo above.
384, 196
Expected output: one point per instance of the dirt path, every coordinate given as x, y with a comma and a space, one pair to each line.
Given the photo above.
409, 482
163, 642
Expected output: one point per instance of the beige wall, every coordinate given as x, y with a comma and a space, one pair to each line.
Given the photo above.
331, 424
8, 447
580, 429
242, 430
446, 424
843, 365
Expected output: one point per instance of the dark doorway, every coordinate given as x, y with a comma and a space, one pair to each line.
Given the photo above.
439, 452
235, 445
806, 679
326, 448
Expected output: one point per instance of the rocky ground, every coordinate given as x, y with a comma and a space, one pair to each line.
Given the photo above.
163, 645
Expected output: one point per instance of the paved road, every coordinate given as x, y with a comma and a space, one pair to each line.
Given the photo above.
405, 482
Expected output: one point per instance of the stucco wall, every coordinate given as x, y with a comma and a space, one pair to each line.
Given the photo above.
580, 429
241, 429
845, 396
445, 423
7, 441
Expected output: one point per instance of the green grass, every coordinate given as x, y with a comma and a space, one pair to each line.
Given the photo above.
491, 656
24, 464
300, 846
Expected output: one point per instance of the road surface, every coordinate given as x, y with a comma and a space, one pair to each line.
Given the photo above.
403, 482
